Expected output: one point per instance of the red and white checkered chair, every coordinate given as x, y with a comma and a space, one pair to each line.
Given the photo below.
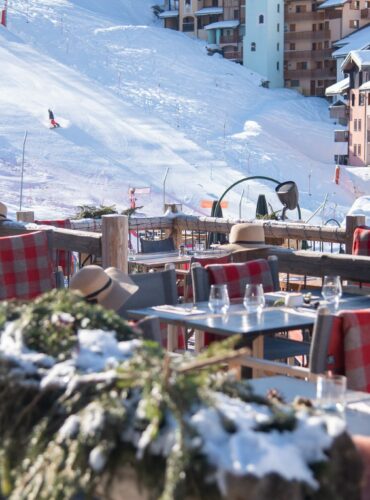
349, 348
236, 276
26, 266
62, 258
361, 241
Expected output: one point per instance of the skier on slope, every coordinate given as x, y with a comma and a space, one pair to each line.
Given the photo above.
53, 123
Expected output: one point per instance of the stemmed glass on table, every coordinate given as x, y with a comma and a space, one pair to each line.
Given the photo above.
254, 299
332, 290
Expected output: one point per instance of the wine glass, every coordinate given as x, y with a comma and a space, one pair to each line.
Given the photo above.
254, 299
219, 301
332, 289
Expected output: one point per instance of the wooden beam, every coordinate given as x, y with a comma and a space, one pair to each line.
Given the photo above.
291, 230
302, 262
115, 241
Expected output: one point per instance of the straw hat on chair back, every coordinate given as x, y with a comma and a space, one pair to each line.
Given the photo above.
109, 287
246, 236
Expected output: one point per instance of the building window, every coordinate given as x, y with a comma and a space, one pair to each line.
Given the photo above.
358, 149
354, 24
253, 47
291, 27
187, 2
355, 125
326, 45
320, 83
353, 99
302, 65
294, 83
278, 27
188, 24
261, 19
278, 7
278, 66
368, 99
292, 46
361, 99
355, 150
355, 5
314, 46
278, 46
236, 14
318, 64
350, 139
359, 124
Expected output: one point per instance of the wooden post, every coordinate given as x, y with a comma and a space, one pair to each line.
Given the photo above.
352, 221
115, 241
25, 216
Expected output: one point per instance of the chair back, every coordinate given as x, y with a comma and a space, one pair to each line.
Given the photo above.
235, 275
152, 246
155, 288
62, 257
361, 241
341, 344
26, 265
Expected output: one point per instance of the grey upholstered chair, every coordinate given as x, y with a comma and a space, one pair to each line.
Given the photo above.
155, 288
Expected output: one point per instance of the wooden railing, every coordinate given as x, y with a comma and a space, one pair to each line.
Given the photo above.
112, 244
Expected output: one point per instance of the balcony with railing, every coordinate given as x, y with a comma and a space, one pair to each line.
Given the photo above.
365, 13
339, 112
340, 135
307, 35
304, 55
333, 14
322, 73
227, 40
234, 55
304, 16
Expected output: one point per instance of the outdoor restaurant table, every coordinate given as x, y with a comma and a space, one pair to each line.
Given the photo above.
157, 259
357, 403
236, 321
160, 259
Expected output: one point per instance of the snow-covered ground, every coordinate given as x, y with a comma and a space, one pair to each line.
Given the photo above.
135, 100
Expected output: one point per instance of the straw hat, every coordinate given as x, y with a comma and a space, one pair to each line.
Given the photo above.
3, 211
109, 287
246, 236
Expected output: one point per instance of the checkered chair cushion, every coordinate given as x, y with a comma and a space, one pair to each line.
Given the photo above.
63, 258
25, 266
236, 276
349, 348
361, 241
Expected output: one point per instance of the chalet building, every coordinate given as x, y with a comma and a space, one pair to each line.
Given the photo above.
219, 22
357, 66
339, 92
264, 40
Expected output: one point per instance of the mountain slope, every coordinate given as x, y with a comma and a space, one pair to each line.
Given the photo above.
135, 99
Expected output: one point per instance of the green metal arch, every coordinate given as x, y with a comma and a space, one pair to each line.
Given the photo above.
217, 207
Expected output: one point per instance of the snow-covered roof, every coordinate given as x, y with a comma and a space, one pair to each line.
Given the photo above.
223, 24
168, 13
338, 87
209, 11
359, 57
337, 104
365, 86
359, 40
332, 3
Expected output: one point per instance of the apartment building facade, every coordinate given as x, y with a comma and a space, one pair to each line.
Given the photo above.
308, 66
219, 22
357, 67
264, 40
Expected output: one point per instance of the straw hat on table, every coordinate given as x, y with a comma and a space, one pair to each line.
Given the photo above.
109, 287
